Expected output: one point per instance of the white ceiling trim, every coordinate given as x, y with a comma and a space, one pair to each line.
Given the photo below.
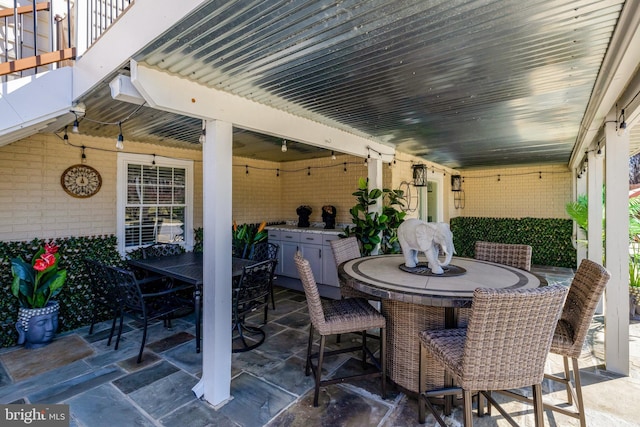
181, 96
618, 69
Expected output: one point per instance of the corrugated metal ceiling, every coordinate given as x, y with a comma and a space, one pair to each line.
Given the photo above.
459, 82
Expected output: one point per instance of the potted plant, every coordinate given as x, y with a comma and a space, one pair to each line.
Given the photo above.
34, 285
245, 236
373, 229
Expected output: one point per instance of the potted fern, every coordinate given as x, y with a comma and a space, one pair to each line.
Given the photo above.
34, 284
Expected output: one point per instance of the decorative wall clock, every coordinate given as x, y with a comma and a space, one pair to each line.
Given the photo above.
81, 181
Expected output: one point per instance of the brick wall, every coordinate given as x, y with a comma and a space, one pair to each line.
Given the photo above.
33, 203
516, 192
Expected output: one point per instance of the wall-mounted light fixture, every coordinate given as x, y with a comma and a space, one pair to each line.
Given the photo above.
456, 183
419, 175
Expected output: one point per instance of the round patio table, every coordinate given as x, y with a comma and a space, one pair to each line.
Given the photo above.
412, 303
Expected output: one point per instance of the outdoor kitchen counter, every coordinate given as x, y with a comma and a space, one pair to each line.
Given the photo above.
313, 229
314, 243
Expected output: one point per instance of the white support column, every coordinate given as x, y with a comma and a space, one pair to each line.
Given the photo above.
594, 192
217, 220
374, 176
617, 248
581, 237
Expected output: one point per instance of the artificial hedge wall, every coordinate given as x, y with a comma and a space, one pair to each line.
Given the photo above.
550, 238
75, 298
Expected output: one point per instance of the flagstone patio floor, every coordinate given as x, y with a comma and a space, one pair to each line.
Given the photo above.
105, 387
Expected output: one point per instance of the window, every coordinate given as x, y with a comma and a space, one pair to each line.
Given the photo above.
154, 201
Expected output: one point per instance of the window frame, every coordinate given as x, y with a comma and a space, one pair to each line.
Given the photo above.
123, 161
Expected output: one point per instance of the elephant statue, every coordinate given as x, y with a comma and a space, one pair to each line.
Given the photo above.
429, 237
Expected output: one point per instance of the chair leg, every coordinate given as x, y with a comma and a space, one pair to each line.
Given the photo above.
578, 389
422, 378
364, 349
383, 361
113, 328
567, 376
307, 368
119, 329
273, 300
318, 378
537, 405
144, 340
468, 416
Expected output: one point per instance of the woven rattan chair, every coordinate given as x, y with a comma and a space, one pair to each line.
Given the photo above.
571, 331
261, 252
504, 346
345, 250
332, 317
518, 256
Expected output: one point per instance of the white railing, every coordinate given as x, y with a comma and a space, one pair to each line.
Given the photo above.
32, 31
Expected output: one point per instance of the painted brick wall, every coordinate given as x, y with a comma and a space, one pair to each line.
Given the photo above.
538, 191
33, 204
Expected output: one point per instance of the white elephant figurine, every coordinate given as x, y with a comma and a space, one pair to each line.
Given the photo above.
429, 237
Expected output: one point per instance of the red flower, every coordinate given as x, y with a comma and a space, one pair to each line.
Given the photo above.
49, 258
40, 265
50, 248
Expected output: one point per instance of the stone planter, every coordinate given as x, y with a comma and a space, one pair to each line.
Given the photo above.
37, 326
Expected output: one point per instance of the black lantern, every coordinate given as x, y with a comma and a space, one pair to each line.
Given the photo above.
420, 175
456, 183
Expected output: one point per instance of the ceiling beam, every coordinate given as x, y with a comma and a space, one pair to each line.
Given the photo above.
181, 96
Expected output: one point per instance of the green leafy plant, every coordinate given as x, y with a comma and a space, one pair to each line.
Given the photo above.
35, 283
578, 211
246, 235
371, 228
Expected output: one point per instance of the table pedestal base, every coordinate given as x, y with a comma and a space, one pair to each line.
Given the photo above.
404, 322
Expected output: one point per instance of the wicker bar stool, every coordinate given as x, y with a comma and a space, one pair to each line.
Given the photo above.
332, 317
518, 256
504, 346
571, 331
345, 250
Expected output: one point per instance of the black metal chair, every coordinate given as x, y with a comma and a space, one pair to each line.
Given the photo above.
147, 300
105, 294
250, 295
162, 249
261, 252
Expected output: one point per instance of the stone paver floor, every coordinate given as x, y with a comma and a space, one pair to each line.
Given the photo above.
105, 387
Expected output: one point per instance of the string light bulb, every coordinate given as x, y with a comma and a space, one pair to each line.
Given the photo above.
120, 141
284, 146
203, 134
83, 157
333, 155
65, 137
76, 124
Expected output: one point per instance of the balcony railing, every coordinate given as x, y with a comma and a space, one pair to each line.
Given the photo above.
39, 36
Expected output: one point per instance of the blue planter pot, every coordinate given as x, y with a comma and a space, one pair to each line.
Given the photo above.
37, 326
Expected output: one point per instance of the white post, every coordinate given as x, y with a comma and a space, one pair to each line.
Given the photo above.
617, 248
581, 236
217, 220
594, 191
82, 27
374, 175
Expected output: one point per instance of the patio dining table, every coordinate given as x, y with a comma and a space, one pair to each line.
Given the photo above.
415, 302
187, 268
